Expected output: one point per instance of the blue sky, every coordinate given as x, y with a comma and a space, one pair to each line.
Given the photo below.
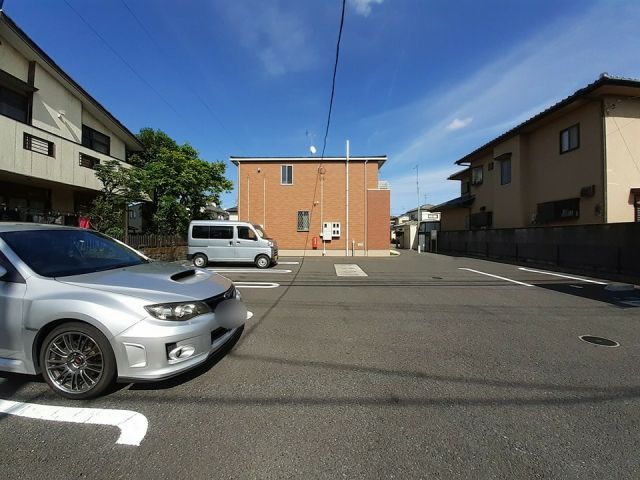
422, 81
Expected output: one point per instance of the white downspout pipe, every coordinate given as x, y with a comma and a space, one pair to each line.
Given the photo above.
366, 225
346, 243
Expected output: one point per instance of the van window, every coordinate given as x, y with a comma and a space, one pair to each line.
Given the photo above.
245, 233
221, 232
200, 231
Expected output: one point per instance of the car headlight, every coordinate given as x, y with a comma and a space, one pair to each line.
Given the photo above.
270, 243
179, 311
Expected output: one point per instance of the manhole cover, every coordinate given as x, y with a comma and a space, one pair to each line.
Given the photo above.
603, 342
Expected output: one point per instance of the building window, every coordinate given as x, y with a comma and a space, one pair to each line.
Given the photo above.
95, 140
505, 172
39, 145
480, 220
637, 207
303, 221
88, 161
558, 210
286, 174
14, 105
464, 187
570, 138
476, 175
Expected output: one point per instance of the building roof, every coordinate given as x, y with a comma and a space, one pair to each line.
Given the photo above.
463, 201
376, 158
232, 209
33, 51
460, 175
426, 207
583, 93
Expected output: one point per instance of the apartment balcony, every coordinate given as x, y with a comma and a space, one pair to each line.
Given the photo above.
35, 153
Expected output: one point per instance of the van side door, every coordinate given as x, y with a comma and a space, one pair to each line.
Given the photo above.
221, 243
247, 244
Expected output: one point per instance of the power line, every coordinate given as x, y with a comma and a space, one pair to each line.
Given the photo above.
160, 51
333, 83
114, 51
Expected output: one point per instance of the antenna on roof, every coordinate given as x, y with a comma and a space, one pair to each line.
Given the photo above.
312, 149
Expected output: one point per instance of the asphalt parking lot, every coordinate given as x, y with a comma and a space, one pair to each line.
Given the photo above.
427, 367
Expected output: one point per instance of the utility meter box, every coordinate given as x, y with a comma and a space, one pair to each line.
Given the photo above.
326, 231
330, 230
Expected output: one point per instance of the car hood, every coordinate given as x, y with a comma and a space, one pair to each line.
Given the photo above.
157, 282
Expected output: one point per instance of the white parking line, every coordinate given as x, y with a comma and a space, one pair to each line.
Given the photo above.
133, 426
288, 263
496, 276
256, 285
560, 275
349, 270
247, 270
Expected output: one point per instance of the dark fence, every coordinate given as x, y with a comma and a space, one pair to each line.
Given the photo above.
612, 248
153, 241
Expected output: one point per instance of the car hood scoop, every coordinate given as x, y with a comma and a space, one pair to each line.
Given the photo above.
176, 277
156, 281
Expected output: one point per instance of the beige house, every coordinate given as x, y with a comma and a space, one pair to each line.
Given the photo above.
52, 134
577, 162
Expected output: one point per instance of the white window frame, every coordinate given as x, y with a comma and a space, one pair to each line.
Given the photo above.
282, 167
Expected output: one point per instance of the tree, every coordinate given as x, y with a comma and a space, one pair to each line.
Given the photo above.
121, 186
178, 181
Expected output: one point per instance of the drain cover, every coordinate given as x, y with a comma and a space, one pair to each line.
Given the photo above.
603, 342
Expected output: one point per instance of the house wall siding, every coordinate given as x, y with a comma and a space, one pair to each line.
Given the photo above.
550, 175
622, 127
12, 62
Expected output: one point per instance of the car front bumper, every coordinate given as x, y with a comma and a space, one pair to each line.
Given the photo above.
142, 351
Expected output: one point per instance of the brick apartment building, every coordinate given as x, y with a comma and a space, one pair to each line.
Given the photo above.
297, 199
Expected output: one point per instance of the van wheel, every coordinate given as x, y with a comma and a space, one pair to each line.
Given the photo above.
200, 260
262, 261
77, 361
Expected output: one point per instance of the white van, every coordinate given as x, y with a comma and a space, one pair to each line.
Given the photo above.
228, 241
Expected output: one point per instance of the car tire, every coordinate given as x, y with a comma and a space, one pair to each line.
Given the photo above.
77, 361
200, 260
263, 261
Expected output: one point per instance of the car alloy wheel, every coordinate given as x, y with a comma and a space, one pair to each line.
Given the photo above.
263, 261
200, 261
74, 362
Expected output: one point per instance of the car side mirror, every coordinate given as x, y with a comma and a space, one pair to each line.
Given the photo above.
3, 272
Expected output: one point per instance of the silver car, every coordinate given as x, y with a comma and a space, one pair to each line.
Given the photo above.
87, 310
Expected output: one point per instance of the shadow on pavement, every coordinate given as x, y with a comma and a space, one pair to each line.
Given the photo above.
621, 299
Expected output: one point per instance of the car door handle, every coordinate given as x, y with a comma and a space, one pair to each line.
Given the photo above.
238, 243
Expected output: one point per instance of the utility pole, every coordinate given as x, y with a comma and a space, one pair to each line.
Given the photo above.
418, 193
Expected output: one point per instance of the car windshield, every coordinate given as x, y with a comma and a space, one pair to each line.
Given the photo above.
260, 231
60, 253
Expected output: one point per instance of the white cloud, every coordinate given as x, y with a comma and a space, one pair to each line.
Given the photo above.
363, 7
457, 123
278, 36
433, 184
518, 84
